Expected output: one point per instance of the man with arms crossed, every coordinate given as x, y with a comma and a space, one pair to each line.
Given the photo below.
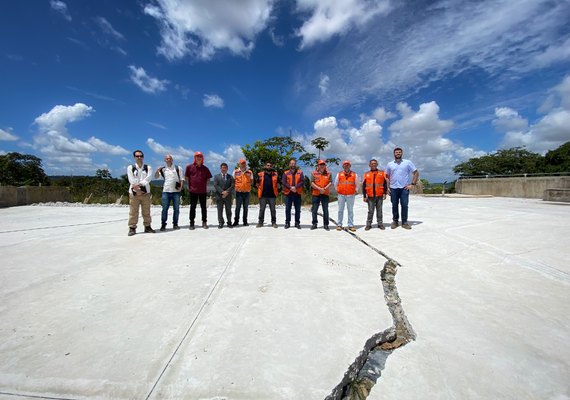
173, 177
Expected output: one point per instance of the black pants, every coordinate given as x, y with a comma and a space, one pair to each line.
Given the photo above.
226, 203
194, 197
242, 199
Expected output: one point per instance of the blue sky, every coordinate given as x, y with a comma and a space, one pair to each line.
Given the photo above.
86, 83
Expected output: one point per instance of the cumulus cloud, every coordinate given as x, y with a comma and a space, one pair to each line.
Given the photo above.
146, 82
230, 155
213, 100
61, 8
417, 45
324, 83
54, 141
7, 135
548, 133
380, 114
329, 18
201, 28
421, 133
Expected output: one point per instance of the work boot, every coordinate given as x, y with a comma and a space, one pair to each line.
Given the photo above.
274, 225
259, 225
191, 227
352, 228
327, 228
132, 231
298, 226
245, 223
163, 227
381, 226
205, 225
148, 229
368, 227
339, 227
176, 227
220, 226
406, 226
234, 224
313, 227
394, 224
287, 225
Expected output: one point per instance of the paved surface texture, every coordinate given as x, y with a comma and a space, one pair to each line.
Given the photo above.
261, 313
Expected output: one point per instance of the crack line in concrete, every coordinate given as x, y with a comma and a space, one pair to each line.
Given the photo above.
63, 226
36, 396
230, 261
358, 380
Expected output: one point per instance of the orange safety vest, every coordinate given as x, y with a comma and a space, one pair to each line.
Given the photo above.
261, 176
321, 180
374, 181
243, 180
346, 184
289, 177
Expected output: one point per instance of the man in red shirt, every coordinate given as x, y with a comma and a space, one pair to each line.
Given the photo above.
197, 177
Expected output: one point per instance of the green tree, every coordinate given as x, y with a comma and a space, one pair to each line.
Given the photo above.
516, 160
277, 150
558, 160
21, 169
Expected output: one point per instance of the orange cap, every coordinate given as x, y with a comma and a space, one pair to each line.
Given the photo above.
346, 162
321, 162
242, 161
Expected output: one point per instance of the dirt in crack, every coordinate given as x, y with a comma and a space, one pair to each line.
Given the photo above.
363, 373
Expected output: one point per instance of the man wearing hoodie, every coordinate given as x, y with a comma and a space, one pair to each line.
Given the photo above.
197, 177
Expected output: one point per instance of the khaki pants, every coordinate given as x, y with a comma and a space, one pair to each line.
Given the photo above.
134, 202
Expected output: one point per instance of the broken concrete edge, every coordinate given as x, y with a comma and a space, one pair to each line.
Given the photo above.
355, 385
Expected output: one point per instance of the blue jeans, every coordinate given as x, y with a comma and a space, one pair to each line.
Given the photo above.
290, 200
401, 196
166, 199
242, 199
324, 200
349, 201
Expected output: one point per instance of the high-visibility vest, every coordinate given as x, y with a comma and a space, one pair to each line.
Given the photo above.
243, 180
289, 176
260, 185
374, 181
346, 183
321, 180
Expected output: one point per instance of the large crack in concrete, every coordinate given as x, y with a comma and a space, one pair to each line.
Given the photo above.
366, 369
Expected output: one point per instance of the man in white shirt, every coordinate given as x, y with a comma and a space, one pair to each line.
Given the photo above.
139, 176
402, 175
173, 182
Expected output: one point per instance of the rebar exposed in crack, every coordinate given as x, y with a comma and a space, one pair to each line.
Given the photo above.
362, 374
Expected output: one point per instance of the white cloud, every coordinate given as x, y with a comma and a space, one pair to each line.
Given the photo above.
61, 8
548, 133
420, 133
380, 114
508, 120
108, 29
324, 83
7, 135
157, 125
418, 44
329, 18
201, 28
146, 82
213, 100
54, 141
182, 155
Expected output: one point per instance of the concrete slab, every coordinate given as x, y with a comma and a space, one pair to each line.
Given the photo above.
485, 284
88, 312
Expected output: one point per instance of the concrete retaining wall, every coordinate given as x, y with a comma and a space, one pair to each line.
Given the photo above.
20, 196
529, 187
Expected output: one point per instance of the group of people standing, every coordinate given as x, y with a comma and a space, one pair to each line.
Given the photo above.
396, 180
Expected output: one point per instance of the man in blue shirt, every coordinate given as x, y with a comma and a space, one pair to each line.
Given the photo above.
401, 175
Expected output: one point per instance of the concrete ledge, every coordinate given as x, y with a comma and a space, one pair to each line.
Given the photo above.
11, 196
523, 187
558, 194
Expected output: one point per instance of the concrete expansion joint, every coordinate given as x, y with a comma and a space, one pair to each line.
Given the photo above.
363, 373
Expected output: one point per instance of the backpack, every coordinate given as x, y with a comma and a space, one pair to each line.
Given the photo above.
134, 168
177, 173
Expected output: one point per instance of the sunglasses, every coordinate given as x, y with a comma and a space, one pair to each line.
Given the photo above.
139, 156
